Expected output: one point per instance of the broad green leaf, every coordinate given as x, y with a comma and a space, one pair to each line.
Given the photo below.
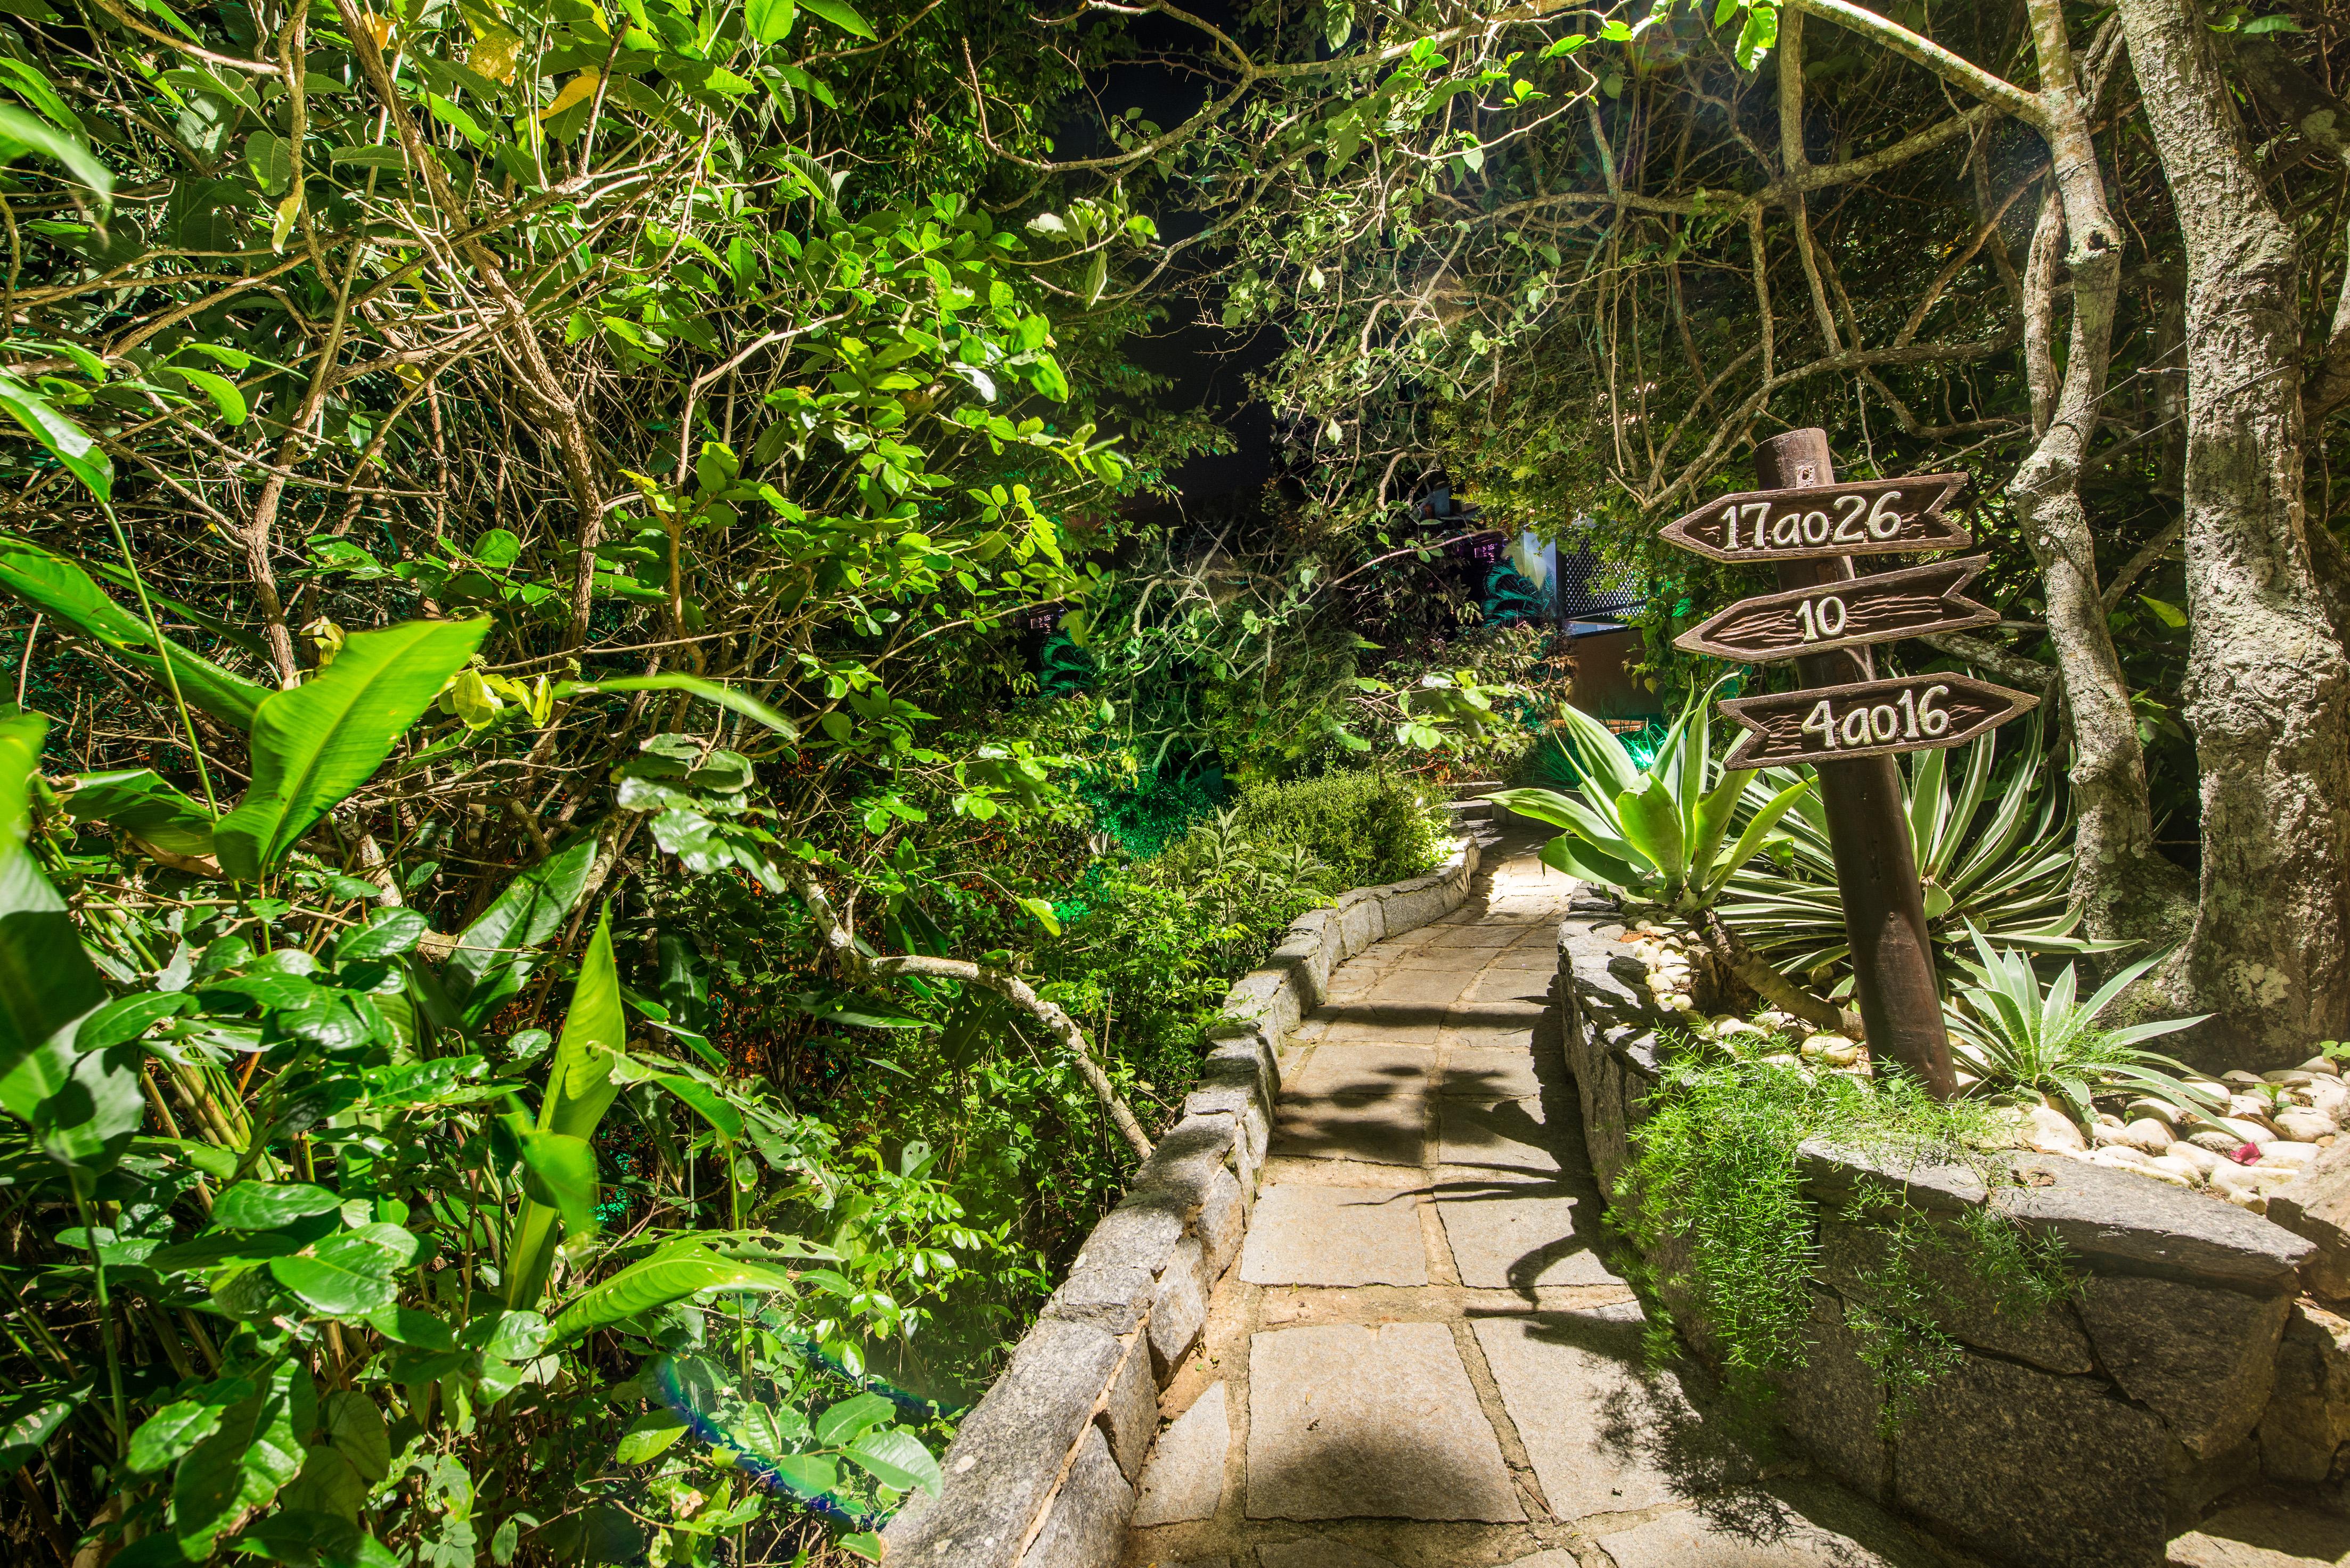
840, 14
387, 157
241, 1467
497, 953
315, 745
388, 934
343, 1276
264, 1206
895, 1456
406, 1325
27, 1427
62, 590
223, 391
657, 1283
724, 696
327, 1484
67, 442
46, 981
770, 21
21, 133
1542, 805
649, 1436
166, 1436
90, 1119
579, 1090
705, 1101
140, 803
840, 1423
354, 1424
560, 1172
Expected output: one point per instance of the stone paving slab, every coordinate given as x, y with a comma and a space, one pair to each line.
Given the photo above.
1505, 1236
2264, 1536
1185, 1477
1350, 1422
1302, 1235
1573, 1386
1318, 1552
1499, 1134
1690, 1538
1488, 1072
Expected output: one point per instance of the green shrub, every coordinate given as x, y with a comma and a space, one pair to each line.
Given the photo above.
1716, 1171
1145, 819
1365, 828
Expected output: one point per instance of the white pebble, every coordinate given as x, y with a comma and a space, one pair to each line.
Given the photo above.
2202, 1159
2325, 1065
2148, 1134
2304, 1127
2289, 1156
2184, 1170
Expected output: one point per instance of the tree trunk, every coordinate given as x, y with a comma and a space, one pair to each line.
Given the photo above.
2268, 686
2123, 886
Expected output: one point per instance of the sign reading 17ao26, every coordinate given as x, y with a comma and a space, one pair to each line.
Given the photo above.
1871, 517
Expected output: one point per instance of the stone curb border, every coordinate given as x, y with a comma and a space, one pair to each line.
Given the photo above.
1042, 1472
2083, 1435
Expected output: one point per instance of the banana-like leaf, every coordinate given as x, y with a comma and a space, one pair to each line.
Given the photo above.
559, 1173
46, 981
496, 953
140, 803
61, 590
315, 745
579, 1090
724, 696
657, 1281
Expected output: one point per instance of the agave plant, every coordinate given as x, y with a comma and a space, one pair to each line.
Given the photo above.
1657, 832
2014, 1037
1993, 855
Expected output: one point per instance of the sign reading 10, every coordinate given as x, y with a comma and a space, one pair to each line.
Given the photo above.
1863, 725
1856, 523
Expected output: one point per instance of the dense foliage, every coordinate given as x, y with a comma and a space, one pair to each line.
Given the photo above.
1715, 1200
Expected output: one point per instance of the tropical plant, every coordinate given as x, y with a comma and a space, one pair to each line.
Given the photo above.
1660, 834
2019, 1039
337, 1255
1994, 854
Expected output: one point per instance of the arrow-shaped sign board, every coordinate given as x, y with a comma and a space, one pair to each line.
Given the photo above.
1874, 517
1868, 718
1844, 614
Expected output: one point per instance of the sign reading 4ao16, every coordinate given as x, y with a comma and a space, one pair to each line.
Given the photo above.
1868, 718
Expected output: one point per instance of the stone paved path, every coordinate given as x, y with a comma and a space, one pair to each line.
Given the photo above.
1422, 1358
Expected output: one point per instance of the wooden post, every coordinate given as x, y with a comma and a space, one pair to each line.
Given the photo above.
1876, 875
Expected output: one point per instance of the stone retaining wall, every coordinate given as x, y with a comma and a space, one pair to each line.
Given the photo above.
2080, 1437
1042, 1473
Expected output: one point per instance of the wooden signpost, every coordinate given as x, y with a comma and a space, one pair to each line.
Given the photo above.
1880, 607
1874, 517
1848, 723
1868, 719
